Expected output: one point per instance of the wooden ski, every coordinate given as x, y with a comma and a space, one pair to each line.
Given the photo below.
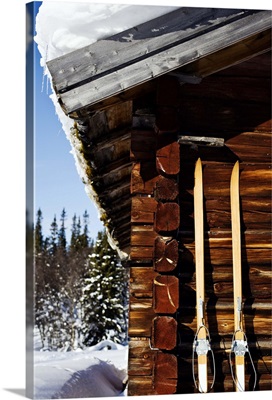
239, 345
201, 344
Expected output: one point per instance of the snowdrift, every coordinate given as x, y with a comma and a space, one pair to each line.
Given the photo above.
98, 371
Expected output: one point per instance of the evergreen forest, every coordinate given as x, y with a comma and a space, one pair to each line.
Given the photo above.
80, 286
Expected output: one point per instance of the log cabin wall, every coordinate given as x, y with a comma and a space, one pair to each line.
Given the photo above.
234, 104
154, 289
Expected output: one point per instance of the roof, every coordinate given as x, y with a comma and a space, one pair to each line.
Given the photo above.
110, 67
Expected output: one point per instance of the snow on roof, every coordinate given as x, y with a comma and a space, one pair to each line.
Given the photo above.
62, 27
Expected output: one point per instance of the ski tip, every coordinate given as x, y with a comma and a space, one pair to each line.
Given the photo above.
235, 171
198, 168
198, 163
236, 165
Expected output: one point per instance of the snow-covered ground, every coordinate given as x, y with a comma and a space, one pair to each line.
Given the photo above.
98, 371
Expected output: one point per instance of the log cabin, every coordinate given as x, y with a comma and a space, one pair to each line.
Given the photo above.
146, 104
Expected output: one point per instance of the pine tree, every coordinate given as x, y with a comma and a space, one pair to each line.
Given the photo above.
74, 234
54, 236
104, 298
38, 234
85, 234
62, 235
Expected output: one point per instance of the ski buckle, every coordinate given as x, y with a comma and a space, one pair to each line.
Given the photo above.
239, 347
202, 346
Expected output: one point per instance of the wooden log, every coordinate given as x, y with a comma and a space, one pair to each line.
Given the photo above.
233, 116
143, 120
167, 119
257, 188
139, 348
260, 350
224, 326
143, 235
165, 254
167, 217
166, 189
260, 289
235, 87
140, 322
141, 253
251, 239
260, 140
143, 177
168, 159
261, 365
141, 281
165, 373
223, 256
143, 145
143, 210
164, 333
248, 204
141, 386
167, 91
214, 308
223, 383
252, 47
119, 115
263, 382
223, 377
140, 303
259, 171
114, 146
166, 294
201, 141
140, 367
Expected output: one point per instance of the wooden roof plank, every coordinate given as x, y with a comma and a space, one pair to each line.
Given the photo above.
227, 57
154, 65
134, 43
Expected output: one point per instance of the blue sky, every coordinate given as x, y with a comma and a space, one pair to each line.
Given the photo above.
57, 184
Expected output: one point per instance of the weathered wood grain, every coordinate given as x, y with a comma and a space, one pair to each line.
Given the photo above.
141, 281
141, 69
140, 367
143, 177
220, 256
251, 239
141, 322
164, 333
167, 217
238, 52
110, 53
143, 145
139, 348
143, 235
165, 373
141, 253
166, 254
167, 159
141, 386
143, 210
223, 325
166, 189
166, 294
260, 350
